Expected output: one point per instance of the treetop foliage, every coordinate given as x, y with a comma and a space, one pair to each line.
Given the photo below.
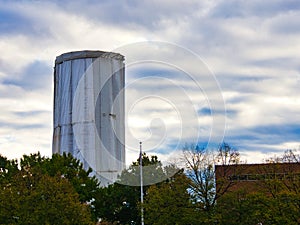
59, 190
37, 193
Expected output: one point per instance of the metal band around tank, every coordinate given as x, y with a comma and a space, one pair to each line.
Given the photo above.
87, 54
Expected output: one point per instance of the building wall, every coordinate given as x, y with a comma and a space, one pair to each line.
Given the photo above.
249, 178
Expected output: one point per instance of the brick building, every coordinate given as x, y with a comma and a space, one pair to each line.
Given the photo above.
249, 178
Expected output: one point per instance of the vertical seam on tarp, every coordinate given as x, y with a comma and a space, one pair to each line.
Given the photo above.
59, 89
98, 162
71, 108
94, 103
56, 134
111, 104
123, 112
85, 111
97, 131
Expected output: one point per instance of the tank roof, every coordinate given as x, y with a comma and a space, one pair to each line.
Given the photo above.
87, 54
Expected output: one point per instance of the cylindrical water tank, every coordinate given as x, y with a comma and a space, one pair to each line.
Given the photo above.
89, 110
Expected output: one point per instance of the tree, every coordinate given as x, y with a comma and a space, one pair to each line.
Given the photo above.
64, 167
289, 156
119, 201
258, 208
170, 203
37, 198
153, 172
283, 187
226, 155
68, 167
8, 168
274, 197
200, 168
72, 169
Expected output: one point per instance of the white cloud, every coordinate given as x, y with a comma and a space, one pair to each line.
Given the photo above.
251, 46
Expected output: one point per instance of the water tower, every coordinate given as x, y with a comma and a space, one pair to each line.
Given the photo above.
88, 115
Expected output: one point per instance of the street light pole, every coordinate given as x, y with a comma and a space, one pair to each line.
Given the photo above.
141, 179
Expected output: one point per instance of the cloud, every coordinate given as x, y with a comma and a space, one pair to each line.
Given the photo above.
252, 48
12, 23
37, 75
131, 14
261, 9
285, 24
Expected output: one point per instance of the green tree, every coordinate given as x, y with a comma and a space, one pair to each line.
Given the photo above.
64, 167
72, 169
37, 198
258, 208
170, 203
119, 201
274, 200
68, 167
153, 172
8, 168
283, 187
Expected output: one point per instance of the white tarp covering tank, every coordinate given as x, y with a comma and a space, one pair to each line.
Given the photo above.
89, 110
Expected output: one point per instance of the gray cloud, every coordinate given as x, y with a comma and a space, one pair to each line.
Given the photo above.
19, 126
14, 21
37, 75
131, 14
266, 139
23, 114
236, 8
251, 46
286, 24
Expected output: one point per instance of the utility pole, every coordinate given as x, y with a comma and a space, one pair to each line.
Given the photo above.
141, 179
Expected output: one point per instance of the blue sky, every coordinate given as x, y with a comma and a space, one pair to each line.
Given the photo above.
252, 49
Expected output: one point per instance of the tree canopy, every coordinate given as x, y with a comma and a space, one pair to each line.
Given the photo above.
120, 201
58, 190
32, 196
